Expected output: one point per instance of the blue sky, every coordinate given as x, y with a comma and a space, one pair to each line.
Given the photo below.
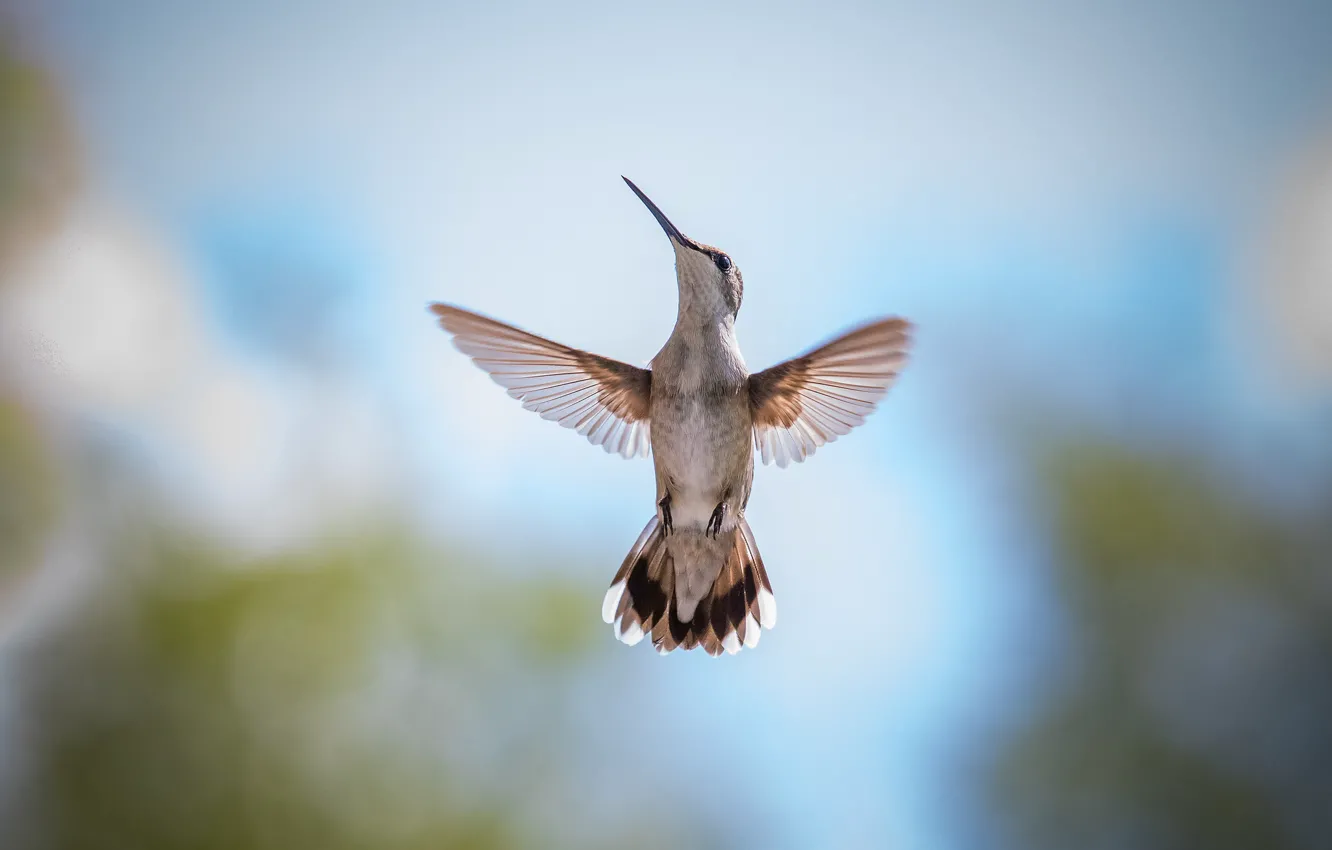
1057, 195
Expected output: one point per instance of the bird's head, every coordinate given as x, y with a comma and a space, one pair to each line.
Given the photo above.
710, 283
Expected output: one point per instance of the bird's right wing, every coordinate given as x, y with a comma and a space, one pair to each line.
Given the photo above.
813, 399
602, 399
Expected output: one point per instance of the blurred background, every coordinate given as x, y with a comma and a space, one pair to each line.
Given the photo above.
280, 568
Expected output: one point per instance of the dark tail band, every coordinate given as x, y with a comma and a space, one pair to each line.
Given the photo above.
641, 598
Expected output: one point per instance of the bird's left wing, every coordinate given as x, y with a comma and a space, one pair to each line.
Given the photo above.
817, 397
602, 399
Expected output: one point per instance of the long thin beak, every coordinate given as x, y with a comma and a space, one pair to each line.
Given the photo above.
671, 230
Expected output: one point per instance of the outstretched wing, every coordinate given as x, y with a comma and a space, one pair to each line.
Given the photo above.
602, 399
817, 397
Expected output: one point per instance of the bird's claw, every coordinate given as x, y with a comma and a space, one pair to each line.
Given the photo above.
715, 521
665, 505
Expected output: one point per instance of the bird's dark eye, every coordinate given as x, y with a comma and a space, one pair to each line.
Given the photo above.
723, 262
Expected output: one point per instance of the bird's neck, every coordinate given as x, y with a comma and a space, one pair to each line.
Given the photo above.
701, 355
703, 305
705, 327
702, 351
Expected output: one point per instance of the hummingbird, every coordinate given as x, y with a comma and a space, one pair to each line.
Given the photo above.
694, 577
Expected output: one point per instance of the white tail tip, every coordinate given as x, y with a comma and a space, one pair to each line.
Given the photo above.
633, 634
731, 643
611, 602
767, 608
752, 631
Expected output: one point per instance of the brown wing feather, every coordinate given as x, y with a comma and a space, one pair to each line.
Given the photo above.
817, 397
602, 399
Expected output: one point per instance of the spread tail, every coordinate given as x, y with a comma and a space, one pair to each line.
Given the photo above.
643, 597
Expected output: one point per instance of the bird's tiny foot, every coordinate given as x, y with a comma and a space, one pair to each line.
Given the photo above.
665, 505
715, 521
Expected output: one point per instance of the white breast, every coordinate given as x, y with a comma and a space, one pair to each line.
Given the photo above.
694, 466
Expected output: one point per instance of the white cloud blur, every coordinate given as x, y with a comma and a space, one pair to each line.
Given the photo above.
125, 345
108, 300
1288, 286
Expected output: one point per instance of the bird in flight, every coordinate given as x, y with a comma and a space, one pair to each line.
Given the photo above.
694, 578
